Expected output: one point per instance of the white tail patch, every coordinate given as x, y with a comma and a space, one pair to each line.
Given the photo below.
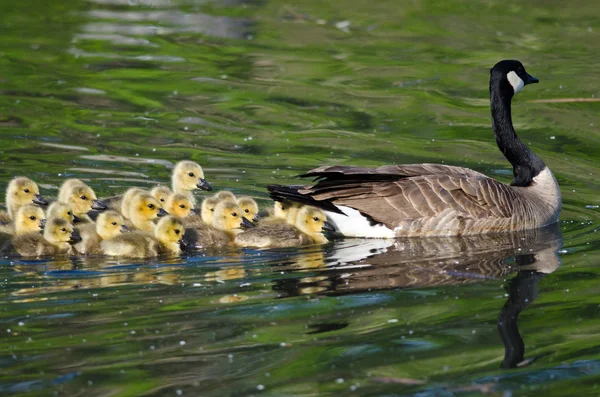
356, 225
516, 82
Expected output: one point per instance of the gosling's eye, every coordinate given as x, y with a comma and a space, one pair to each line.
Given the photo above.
69, 213
151, 206
177, 231
84, 197
26, 190
191, 174
32, 218
234, 214
162, 199
181, 205
246, 210
316, 219
63, 230
114, 223
212, 210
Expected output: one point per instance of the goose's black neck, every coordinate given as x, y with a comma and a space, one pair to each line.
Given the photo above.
526, 165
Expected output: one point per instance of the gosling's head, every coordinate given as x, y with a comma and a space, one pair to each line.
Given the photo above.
60, 210
229, 217
82, 200
60, 232
179, 205
207, 209
128, 198
312, 221
188, 175
248, 206
144, 207
29, 218
110, 224
21, 191
169, 231
225, 195
282, 208
161, 193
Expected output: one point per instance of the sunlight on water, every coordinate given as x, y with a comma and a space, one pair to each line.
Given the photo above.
115, 92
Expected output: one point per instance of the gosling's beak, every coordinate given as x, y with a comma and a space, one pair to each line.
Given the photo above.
42, 224
196, 211
161, 212
246, 224
124, 229
256, 218
77, 219
183, 244
39, 200
99, 205
75, 237
328, 227
204, 185
531, 80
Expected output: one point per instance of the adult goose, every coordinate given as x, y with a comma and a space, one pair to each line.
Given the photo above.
440, 200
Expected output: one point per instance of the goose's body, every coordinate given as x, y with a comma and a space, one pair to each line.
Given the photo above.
109, 224
435, 199
80, 198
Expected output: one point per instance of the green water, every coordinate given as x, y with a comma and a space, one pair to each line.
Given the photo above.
115, 92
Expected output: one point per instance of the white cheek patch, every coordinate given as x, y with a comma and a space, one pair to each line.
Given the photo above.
516, 82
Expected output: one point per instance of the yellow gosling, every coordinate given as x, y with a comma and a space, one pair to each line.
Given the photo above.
64, 191
60, 210
127, 198
161, 193
165, 240
207, 210
179, 205
143, 210
56, 240
248, 206
19, 192
225, 195
308, 229
109, 224
188, 176
82, 199
30, 218
229, 218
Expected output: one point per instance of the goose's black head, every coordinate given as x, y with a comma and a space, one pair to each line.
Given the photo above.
510, 77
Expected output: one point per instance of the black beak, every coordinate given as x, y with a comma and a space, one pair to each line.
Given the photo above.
328, 227
75, 237
183, 244
196, 211
77, 219
42, 224
161, 212
256, 218
124, 229
204, 185
246, 224
531, 80
39, 200
99, 205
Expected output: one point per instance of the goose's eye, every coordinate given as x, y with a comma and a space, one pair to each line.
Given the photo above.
69, 213
32, 218
520, 70
177, 231
234, 214
151, 206
114, 223
246, 210
212, 210
26, 190
191, 174
84, 197
181, 205
63, 230
162, 199
316, 219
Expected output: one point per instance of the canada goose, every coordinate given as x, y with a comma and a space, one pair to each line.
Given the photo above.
82, 199
29, 218
179, 205
64, 191
20, 191
143, 210
227, 222
61, 210
57, 239
109, 224
207, 209
161, 193
125, 202
307, 228
188, 176
440, 200
248, 206
225, 195
166, 239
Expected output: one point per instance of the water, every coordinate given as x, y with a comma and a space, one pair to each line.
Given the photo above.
115, 92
